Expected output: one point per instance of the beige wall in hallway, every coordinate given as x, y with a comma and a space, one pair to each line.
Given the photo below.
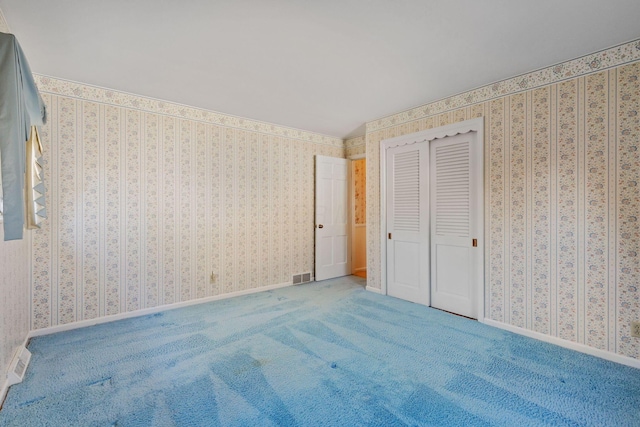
359, 215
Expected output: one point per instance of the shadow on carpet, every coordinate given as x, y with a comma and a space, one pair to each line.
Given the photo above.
322, 354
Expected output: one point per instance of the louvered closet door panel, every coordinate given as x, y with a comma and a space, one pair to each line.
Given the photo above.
406, 190
452, 190
451, 203
407, 221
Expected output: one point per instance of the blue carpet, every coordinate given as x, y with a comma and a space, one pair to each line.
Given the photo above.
322, 354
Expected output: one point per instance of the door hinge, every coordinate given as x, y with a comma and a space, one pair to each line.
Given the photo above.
474, 243
389, 236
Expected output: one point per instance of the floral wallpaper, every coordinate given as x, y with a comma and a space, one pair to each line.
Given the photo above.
14, 287
14, 298
623, 54
561, 196
355, 146
360, 191
125, 100
149, 198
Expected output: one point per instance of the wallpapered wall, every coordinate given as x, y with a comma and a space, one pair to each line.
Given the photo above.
14, 289
561, 196
14, 298
355, 146
360, 191
148, 198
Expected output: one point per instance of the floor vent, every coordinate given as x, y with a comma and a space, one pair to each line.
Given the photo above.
18, 366
301, 278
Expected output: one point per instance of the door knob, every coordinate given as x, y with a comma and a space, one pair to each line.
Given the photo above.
320, 226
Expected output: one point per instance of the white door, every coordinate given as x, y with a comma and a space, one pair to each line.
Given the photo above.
408, 222
455, 230
333, 250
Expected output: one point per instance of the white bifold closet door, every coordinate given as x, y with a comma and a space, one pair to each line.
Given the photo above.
453, 228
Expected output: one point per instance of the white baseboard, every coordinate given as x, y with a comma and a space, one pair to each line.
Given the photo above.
147, 311
582, 348
5, 383
374, 290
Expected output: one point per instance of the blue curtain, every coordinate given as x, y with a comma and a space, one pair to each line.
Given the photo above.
20, 107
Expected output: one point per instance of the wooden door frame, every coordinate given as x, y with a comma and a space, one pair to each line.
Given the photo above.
473, 125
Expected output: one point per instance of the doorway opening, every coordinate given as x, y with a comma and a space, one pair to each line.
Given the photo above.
359, 217
340, 217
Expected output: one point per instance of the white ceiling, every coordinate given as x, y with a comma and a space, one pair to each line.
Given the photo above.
326, 66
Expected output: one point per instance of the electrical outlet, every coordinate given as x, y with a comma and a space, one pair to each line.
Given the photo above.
212, 278
635, 329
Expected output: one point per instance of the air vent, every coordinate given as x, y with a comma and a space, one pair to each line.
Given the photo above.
18, 366
301, 278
